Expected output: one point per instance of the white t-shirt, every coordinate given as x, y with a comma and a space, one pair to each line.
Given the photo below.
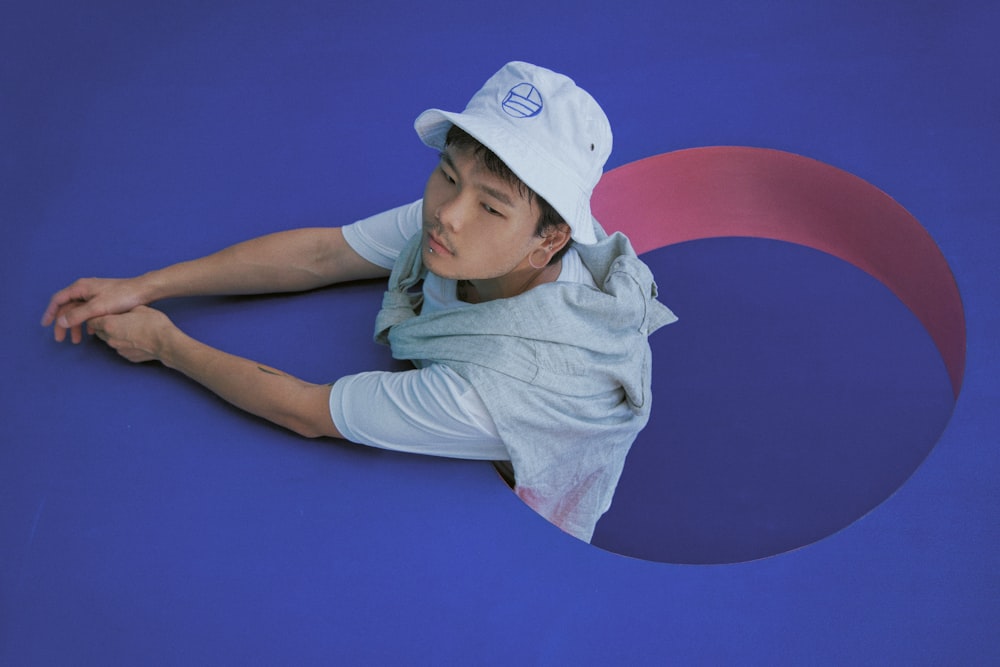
431, 410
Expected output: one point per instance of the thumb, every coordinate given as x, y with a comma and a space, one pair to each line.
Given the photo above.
97, 324
79, 314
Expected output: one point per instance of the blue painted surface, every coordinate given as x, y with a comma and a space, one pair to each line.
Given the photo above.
144, 522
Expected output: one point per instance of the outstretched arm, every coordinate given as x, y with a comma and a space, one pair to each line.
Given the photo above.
145, 334
291, 261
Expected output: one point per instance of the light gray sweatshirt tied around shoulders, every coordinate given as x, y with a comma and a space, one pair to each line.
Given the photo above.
563, 369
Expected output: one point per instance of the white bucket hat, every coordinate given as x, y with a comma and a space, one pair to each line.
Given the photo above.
551, 133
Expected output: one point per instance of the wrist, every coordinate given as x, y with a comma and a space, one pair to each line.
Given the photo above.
170, 347
151, 287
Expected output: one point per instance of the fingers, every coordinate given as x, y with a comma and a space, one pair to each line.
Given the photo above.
132, 335
75, 313
87, 298
55, 303
70, 308
99, 328
68, 318
75, 334
67, 310
95, 327
78, 291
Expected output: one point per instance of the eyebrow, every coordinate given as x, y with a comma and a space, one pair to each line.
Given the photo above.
499, 195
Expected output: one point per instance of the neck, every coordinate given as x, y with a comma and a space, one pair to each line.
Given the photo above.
514, 283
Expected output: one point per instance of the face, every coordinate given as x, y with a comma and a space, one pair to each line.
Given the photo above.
476, 225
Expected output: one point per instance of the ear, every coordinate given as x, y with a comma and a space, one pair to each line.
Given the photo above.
556, 237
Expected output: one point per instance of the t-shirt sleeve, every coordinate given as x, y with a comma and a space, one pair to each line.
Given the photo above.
380, 238
431, 410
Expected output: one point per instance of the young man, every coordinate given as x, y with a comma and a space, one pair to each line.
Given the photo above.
528, 333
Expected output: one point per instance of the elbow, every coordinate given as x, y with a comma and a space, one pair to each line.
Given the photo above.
311, 428
306, 412
314, 419
304, 430
312, 432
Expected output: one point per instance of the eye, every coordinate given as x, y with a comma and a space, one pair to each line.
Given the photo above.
492, 211
447, 176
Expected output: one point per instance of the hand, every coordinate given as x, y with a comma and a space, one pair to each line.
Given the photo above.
87, 298
138, 335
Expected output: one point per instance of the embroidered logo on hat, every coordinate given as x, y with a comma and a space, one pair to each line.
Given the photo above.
523, 101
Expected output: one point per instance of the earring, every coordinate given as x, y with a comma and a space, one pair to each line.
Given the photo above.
544, 260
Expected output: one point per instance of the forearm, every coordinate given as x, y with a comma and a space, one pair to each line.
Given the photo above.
291, 261
266, 392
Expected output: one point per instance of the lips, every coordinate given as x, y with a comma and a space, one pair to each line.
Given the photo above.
436, 246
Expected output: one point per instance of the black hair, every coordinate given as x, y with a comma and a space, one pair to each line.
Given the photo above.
548, 217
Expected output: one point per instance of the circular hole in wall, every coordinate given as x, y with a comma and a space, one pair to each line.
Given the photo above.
816, 362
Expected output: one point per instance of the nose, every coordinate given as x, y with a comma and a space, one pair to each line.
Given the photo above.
449, 213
